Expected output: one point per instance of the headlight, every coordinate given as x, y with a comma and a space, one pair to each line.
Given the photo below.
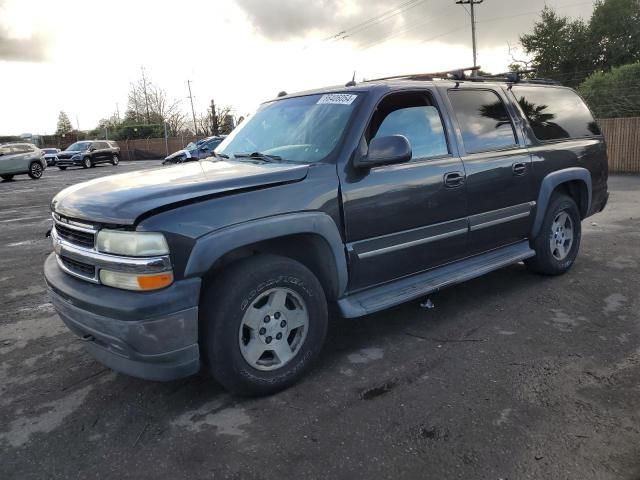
135, 281
132, 244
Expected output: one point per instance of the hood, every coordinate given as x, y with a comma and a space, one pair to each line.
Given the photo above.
121, 199
68, 153
178, 153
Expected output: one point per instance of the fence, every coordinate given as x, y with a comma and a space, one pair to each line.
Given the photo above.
622, 134
152, 148
623, 143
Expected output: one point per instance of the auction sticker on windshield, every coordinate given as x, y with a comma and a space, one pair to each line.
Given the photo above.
337, 99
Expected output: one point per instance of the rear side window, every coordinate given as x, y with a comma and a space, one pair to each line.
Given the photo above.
483, 120
555, 113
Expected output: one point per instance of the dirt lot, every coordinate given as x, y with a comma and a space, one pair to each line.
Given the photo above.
509, 376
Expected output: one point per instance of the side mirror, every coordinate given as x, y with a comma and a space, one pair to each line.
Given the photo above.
92, 148
386, 151
204, 148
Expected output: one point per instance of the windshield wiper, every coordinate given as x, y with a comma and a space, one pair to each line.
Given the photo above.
259, 156
220, 155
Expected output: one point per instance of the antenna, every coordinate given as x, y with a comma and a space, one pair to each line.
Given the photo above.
352, 82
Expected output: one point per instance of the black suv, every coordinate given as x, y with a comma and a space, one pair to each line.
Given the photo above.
89, 153
363, 196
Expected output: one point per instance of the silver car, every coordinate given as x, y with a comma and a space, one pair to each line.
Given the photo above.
21, 158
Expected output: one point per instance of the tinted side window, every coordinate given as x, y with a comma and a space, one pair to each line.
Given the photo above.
483, 119
555, 113
101, 145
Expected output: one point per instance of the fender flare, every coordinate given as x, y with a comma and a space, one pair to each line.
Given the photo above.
548, 185
212, 246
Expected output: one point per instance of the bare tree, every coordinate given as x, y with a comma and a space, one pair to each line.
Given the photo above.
149, 103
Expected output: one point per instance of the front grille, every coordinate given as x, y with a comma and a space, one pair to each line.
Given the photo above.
79, 268
75, 237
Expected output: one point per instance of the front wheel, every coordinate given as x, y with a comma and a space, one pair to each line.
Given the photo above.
558, 242
87, 163
264, 322
62, 168
35, 170
115, 160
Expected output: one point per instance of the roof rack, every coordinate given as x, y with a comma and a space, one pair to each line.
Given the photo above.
515, 77
459, 75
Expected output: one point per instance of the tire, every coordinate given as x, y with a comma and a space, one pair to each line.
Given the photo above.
242, 295
558, 242
6, 177
87, 162
35, 170
115, 160
62, 168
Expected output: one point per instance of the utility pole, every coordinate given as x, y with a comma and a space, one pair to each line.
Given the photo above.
146, 97
472, 4
193, 112
215, 128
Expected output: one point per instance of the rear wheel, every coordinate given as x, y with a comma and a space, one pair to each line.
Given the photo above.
87, 162
558, 242
35, 170
265, 320
6, 177
115, 160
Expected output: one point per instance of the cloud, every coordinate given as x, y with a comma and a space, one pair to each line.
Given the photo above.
20, 49
498, 21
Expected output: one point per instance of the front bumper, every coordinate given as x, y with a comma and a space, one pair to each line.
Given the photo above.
68, 162
150, 335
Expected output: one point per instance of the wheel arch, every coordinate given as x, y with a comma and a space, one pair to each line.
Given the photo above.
575, 182
312, 238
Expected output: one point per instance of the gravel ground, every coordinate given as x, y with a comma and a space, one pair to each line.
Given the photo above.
510, 376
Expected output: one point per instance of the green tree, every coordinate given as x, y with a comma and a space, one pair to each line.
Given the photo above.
615, 93
64, 124
560, 47
615, 29
571, 50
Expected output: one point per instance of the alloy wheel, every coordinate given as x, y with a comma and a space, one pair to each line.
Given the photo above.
273, 329
561, 236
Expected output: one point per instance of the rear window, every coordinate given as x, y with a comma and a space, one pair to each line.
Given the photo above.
555, 113
483, 119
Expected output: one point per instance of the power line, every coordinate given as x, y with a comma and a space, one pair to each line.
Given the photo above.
386, 15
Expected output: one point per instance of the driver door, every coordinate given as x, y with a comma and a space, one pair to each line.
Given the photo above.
405, 218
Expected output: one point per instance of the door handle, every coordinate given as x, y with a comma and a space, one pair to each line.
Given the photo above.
453, 179
519, 168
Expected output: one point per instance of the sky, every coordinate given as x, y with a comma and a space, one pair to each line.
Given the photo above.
81, 56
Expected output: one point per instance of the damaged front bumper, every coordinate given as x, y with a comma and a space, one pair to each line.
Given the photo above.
150, 335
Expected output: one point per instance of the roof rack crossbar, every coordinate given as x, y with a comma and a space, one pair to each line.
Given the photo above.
456, 74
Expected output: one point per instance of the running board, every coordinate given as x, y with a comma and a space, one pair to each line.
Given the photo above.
409, 288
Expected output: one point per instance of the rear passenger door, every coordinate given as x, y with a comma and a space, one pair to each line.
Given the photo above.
102, 153
498, 166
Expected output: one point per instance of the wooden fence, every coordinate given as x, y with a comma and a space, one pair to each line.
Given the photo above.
623, 143
622, 135
152, 148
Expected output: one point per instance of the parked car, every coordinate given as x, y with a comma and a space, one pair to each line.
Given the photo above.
21, 158
89, 153
195, 151
51, 155
364, 197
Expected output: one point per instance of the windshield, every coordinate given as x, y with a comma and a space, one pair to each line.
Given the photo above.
301, 129
78, 146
